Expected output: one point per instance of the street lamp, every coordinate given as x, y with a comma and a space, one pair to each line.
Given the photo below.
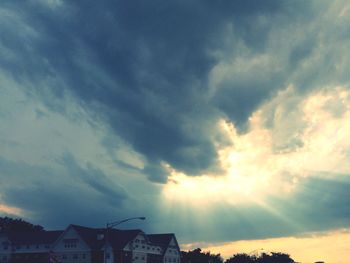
113, 224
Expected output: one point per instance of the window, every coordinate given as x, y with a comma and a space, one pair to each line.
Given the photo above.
75, 256
83, 256
70, 245
70, 242
64, 256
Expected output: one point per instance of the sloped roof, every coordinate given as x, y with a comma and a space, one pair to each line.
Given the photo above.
120, 238
89, 235
161, 239
117, 238
40, 237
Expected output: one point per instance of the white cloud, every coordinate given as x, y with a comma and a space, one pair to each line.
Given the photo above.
289, 137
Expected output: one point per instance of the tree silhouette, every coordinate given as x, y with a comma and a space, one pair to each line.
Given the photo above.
241, 258
8, 224
197, 256
274, 257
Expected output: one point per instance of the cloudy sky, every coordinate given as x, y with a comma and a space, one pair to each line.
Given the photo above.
221, 121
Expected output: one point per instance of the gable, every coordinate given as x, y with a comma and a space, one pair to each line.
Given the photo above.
138, 242
172, 243
70, 240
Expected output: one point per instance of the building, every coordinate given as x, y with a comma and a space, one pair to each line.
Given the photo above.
26, 247
78, 244
168, 246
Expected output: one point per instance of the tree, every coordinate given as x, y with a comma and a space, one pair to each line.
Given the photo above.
197, 256
8, 224
241, 258
274, 257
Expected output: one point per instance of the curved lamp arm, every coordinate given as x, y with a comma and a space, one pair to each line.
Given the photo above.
115, 223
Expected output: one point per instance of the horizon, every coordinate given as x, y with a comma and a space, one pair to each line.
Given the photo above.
223, 122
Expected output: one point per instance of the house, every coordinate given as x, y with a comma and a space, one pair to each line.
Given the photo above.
27, 247
79, 244
169, 247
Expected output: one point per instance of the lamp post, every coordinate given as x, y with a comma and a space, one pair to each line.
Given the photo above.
113, 224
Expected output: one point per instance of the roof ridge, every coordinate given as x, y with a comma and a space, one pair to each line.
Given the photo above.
161, 234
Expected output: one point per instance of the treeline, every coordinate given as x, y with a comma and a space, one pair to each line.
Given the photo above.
8, 224
198, 256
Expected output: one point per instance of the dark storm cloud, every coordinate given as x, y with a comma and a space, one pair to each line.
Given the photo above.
95, 178
144, 66
320, 203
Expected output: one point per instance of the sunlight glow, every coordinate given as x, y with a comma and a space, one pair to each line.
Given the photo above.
331, 246
10, 210
288, 138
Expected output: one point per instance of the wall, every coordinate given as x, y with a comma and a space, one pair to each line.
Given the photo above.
70, 248
172, 253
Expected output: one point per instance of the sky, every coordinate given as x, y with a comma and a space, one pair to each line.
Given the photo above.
225, 122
